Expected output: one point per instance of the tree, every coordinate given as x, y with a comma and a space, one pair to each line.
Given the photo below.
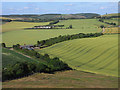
70, 26
3, 45
102, 26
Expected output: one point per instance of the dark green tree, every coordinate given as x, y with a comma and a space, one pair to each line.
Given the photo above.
70, 26
3, 45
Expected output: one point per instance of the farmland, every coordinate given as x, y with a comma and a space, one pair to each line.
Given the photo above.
94, 59
98, 55
13, 32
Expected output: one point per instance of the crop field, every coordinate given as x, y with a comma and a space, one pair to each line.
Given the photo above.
97, 55
13, 32
112, 30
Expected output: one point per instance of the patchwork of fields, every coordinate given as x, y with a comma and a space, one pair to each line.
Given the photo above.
98, 55
14, 33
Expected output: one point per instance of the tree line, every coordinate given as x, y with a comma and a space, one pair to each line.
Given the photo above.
5, 20
110, 23
51, 41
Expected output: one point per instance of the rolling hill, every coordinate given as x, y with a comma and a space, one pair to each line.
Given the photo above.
97, 55
14, 32
54, 16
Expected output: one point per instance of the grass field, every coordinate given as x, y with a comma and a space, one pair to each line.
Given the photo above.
10, 57
66, 79
97, 55
32, 36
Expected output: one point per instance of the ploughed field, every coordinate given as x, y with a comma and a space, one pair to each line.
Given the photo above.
14, 33
97, 55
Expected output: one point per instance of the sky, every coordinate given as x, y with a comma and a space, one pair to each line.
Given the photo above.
58, 7
59, 0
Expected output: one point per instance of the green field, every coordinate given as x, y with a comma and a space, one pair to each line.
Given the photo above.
98, 55
15, 33
10, 57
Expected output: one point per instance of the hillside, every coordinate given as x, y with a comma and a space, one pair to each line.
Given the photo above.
55, 16
97, 55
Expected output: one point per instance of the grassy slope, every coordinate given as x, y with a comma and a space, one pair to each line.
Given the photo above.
67, 79
98, 55
31, 36
10, 57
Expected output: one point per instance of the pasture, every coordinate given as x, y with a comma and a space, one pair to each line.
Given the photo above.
97, 55
13, 32
66, 79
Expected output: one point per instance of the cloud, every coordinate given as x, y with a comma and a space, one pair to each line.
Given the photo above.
68, 4
37, 8
11, 8
26, 7
102, 7
67, 9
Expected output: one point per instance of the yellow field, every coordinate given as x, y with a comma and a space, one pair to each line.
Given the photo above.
10, 26
112, 30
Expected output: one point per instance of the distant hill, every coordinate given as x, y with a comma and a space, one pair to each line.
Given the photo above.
113, 15
55, 16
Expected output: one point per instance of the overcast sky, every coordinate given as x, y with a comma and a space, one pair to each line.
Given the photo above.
58, 7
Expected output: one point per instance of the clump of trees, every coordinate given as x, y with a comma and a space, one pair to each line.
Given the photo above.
54, 22
51, 41
102, 26
44, 64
